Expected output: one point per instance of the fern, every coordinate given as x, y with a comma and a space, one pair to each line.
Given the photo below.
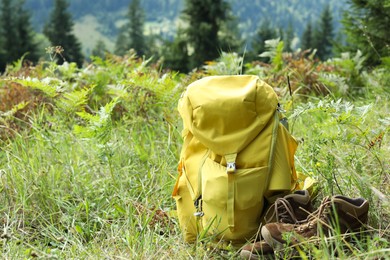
68, 70
337, 108
10, 113
346, 75
336, 83
227, 64
17, 65
97, 126
119, 90
49, 86
275, 53
75, 100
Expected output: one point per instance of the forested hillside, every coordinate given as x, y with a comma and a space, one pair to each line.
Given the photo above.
106, 16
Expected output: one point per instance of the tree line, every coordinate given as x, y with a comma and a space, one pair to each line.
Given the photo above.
208, 29
17, 38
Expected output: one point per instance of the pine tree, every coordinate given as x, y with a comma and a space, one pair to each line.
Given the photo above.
100, 49
307, 37
131, 35
2, 55
175, 54
8, 34
323, 34
367, 24
59, 30
265, 32
204, 18
229, 34
136, 27
26, 34
288, 37
121, 44
17, 36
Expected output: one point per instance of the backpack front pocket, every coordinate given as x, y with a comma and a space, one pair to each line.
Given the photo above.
232, 202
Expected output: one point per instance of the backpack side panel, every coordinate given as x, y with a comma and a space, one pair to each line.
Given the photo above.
283, 176
185, 211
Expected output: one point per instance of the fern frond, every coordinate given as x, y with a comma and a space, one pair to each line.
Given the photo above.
49, 87
227, 64
274, 52
119, 90
75, 100
97, 126
10, 113
17, 65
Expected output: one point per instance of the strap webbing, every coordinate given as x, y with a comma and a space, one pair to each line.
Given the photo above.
230, 200
230, 170
204, 158
272, 150
180, 171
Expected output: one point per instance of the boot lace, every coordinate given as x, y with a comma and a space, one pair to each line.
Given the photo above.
282, 211
319, 215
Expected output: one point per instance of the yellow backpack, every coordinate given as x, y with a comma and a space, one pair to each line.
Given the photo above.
236, 155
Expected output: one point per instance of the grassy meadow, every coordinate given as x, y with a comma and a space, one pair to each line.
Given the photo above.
88, 156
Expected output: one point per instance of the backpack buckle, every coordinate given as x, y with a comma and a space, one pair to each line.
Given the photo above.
199, 214
231, 167
198, 206
231, 162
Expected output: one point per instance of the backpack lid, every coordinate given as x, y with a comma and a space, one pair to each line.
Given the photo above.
225, 113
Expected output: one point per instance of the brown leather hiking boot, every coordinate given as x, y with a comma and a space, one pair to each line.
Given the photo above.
292, 208
338, 212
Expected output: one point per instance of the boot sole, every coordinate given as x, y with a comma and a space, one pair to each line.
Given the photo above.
249, 255
275, 244
245, 254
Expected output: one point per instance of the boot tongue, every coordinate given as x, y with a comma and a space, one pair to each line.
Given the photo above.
322, 212
301, 197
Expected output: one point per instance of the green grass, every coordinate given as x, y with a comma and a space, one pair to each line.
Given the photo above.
83, 178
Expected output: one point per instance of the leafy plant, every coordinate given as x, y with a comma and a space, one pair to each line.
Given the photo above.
274, 53
48, 86
97, 126
226, 64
